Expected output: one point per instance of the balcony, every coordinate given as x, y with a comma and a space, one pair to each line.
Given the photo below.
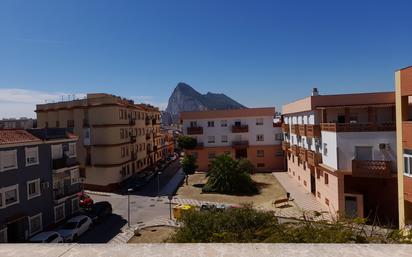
66, 190
312, 131
240, 144
313, 158
240, 128
63, 162
285, 127
154, 121
295, 149
371, 169
133, 155
302, 130
132, 139
302, 154
148, 136
132, 121
294, 129
195, 130
285, 145
357, 127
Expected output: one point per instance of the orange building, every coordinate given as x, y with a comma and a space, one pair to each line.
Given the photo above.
242, 133
403, 79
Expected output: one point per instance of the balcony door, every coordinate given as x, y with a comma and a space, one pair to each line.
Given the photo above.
351, 206
193, 124
363, 153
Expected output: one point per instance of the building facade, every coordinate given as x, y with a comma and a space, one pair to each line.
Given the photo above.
341, 148
31, 198
117, 138
246, 133
22, 123
403, 81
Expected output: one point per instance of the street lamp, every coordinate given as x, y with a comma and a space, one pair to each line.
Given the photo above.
158, 182
128, 206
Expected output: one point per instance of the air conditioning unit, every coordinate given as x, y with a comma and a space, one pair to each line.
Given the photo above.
45, 185
384, 146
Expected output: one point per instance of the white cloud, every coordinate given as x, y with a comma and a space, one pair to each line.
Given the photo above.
15, 102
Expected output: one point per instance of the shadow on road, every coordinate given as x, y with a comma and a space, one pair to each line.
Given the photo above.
103, 232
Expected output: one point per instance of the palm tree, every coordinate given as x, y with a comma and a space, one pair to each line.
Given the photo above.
189, 166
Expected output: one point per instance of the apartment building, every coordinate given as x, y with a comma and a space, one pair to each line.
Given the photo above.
116, 136
31, 195
243, 133
21, 123
342, 149
403, 81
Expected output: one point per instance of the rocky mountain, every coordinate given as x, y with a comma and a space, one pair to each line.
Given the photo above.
185, 98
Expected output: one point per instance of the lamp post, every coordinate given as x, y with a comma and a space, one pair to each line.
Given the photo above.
128, 206
158, 182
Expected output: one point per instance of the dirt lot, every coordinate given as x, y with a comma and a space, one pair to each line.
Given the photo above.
153, 235
270, 190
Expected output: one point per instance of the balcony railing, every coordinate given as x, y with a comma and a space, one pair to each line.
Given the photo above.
132, 139
302, 154
240, 144
357, 127
66, 190
371, 169
294, 129
302, 130
285, 145
313, 158
312, 130
295, 149
240, 128
63, 163
285, 127
195, 130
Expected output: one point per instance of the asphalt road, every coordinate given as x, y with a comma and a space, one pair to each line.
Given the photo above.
144, 207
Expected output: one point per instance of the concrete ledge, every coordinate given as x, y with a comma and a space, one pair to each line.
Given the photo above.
193, 250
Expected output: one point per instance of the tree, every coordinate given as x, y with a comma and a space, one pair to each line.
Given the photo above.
186, 142
189, 166
246, 166
226, 176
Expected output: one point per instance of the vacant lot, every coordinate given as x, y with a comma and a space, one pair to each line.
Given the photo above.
270, 190
153, 235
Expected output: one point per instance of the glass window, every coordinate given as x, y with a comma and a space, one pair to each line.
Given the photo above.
211, 139
210, 123
57, 151
260, 153
11, 195
224, 139
259, 121
8, 160
259, 138
407, 164
74, 176
59, 213
223, 123
35, 224
325, 149
33, 188
32, 155
211, 155
72, 150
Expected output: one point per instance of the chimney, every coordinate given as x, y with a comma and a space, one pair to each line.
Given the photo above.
315, 91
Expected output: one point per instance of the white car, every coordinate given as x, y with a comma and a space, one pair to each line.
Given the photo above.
75, 227
47, 237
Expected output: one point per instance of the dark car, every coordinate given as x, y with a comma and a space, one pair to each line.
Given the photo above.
99, 211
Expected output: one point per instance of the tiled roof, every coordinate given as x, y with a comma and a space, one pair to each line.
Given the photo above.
14, 136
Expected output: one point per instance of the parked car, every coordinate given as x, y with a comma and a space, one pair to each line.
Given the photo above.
47, 237
75, 227
99, 211
85, 201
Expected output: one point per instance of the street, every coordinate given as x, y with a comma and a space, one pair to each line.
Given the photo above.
145, 206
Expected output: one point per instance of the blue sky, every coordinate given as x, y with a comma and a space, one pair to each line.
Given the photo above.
261, 53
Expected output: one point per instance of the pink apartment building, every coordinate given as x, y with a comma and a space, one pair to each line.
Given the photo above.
342, 149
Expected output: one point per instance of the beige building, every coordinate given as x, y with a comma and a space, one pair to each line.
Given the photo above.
117, 138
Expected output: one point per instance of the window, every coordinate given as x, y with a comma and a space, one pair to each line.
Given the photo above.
211, 155
260, 165
210, 123
8, 160
259, 138
223, 123
57, 152
32, 155
11, 195
224, 139
74, 176
279, 154
407, 164
3, 235
121, 133
211, 139
278, 136
259, 121
193, 124
325, 149
33, 189
59, 213
75, 205
70, 123
72, 150
35, 224
260, 153
326, 178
